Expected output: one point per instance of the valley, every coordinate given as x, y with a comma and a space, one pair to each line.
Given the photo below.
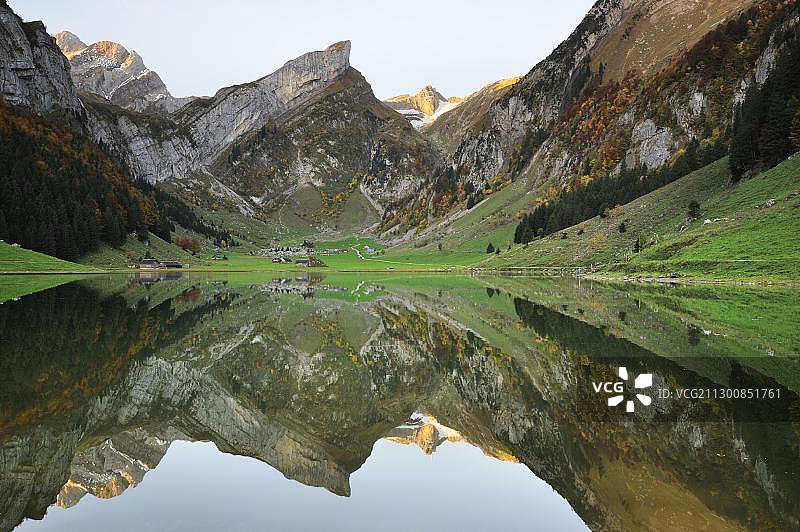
320, 297
426, 181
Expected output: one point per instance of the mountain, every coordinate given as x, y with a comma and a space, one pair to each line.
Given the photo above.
539, 101
311, 129
106, 68
310, 138
448, 129
573, 120
424, 107
63, 193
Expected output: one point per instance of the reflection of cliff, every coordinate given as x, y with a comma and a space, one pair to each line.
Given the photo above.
308, 386
108, 469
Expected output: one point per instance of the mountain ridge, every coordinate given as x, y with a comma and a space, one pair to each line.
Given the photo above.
107, 68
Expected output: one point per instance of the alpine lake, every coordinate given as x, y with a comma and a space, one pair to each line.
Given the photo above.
389, 402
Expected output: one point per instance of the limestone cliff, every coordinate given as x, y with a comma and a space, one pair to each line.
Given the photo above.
33, 72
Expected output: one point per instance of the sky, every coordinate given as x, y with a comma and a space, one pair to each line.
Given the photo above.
201, 46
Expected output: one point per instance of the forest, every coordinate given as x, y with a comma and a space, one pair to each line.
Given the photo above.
766, 125
61, 194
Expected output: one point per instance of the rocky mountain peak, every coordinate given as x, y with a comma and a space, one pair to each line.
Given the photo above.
322, 65
108, 69
69, 43
429, 99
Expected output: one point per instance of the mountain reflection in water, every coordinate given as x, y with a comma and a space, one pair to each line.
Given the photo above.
103, 379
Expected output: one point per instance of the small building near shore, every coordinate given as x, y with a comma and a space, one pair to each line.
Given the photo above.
154, 264
149, 264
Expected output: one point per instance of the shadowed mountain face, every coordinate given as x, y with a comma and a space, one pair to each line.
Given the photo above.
307, 382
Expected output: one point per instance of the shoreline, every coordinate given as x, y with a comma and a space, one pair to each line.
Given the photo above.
532, 272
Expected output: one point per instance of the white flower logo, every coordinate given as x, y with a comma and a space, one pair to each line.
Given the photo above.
644, 380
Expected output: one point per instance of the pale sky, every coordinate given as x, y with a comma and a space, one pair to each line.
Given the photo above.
201, 46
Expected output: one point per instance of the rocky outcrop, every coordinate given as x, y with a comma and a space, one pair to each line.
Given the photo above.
424, 107
426, 101
652, 145
107, 69
33, 71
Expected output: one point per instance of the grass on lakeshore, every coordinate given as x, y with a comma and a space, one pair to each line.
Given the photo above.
742, 239
19, 260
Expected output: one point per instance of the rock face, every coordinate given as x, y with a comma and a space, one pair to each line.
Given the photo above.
106, 68
33, 72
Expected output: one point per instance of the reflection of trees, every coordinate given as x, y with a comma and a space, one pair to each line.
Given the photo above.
243, 376
62, 346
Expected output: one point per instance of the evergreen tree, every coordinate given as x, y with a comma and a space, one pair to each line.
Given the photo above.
694, 210
490, 248
794, 131
774, 141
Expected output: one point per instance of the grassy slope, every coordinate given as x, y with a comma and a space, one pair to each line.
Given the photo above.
21, 260
121, 258
464, 240
743, 240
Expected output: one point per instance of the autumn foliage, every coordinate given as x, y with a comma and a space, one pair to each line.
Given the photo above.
61, 194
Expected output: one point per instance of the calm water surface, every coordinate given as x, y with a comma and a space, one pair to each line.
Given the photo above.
246, 402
